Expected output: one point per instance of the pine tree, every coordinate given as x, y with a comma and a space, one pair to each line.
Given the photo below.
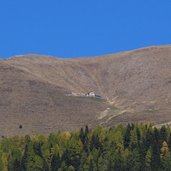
134, 161
148, 161
127, 136
169, 141
155, 150
38, 151
55, 162
166, 162
82, 135
16, 165
24, 161
133, 138
163, 134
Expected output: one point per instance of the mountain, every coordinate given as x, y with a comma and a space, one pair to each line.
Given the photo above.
42, 94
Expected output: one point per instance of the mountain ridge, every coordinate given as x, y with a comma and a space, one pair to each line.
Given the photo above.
114, 53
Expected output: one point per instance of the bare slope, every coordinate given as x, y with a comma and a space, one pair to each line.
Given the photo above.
40, 107
136, 86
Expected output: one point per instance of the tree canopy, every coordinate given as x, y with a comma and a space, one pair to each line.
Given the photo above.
131, 148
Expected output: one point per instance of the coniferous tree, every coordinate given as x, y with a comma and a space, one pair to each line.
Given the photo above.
155, 150
169, 142
127, 136
135, 147
163, 134
55, 162
166, 162
148, 158
134, 161
17, 165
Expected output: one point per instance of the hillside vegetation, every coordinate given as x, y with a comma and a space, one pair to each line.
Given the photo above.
131, 148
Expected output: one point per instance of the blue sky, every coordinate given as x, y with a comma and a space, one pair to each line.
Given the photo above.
73, 28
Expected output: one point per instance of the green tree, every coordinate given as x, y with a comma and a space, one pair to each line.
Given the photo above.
133, 138
38, 151
155, 150
55, 162
127, 136
14, 160
72, 155
163, 134
148, 160
134, 161
166, 162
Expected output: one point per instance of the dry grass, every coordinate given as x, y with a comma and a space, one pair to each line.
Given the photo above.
33, 90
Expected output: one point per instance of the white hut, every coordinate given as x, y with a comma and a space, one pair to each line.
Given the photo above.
91, 94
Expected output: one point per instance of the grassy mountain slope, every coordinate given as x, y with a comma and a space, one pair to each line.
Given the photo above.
135, 85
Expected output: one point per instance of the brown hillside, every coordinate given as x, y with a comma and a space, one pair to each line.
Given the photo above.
34, 89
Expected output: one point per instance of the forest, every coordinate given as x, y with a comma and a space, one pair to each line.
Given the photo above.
122, 148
